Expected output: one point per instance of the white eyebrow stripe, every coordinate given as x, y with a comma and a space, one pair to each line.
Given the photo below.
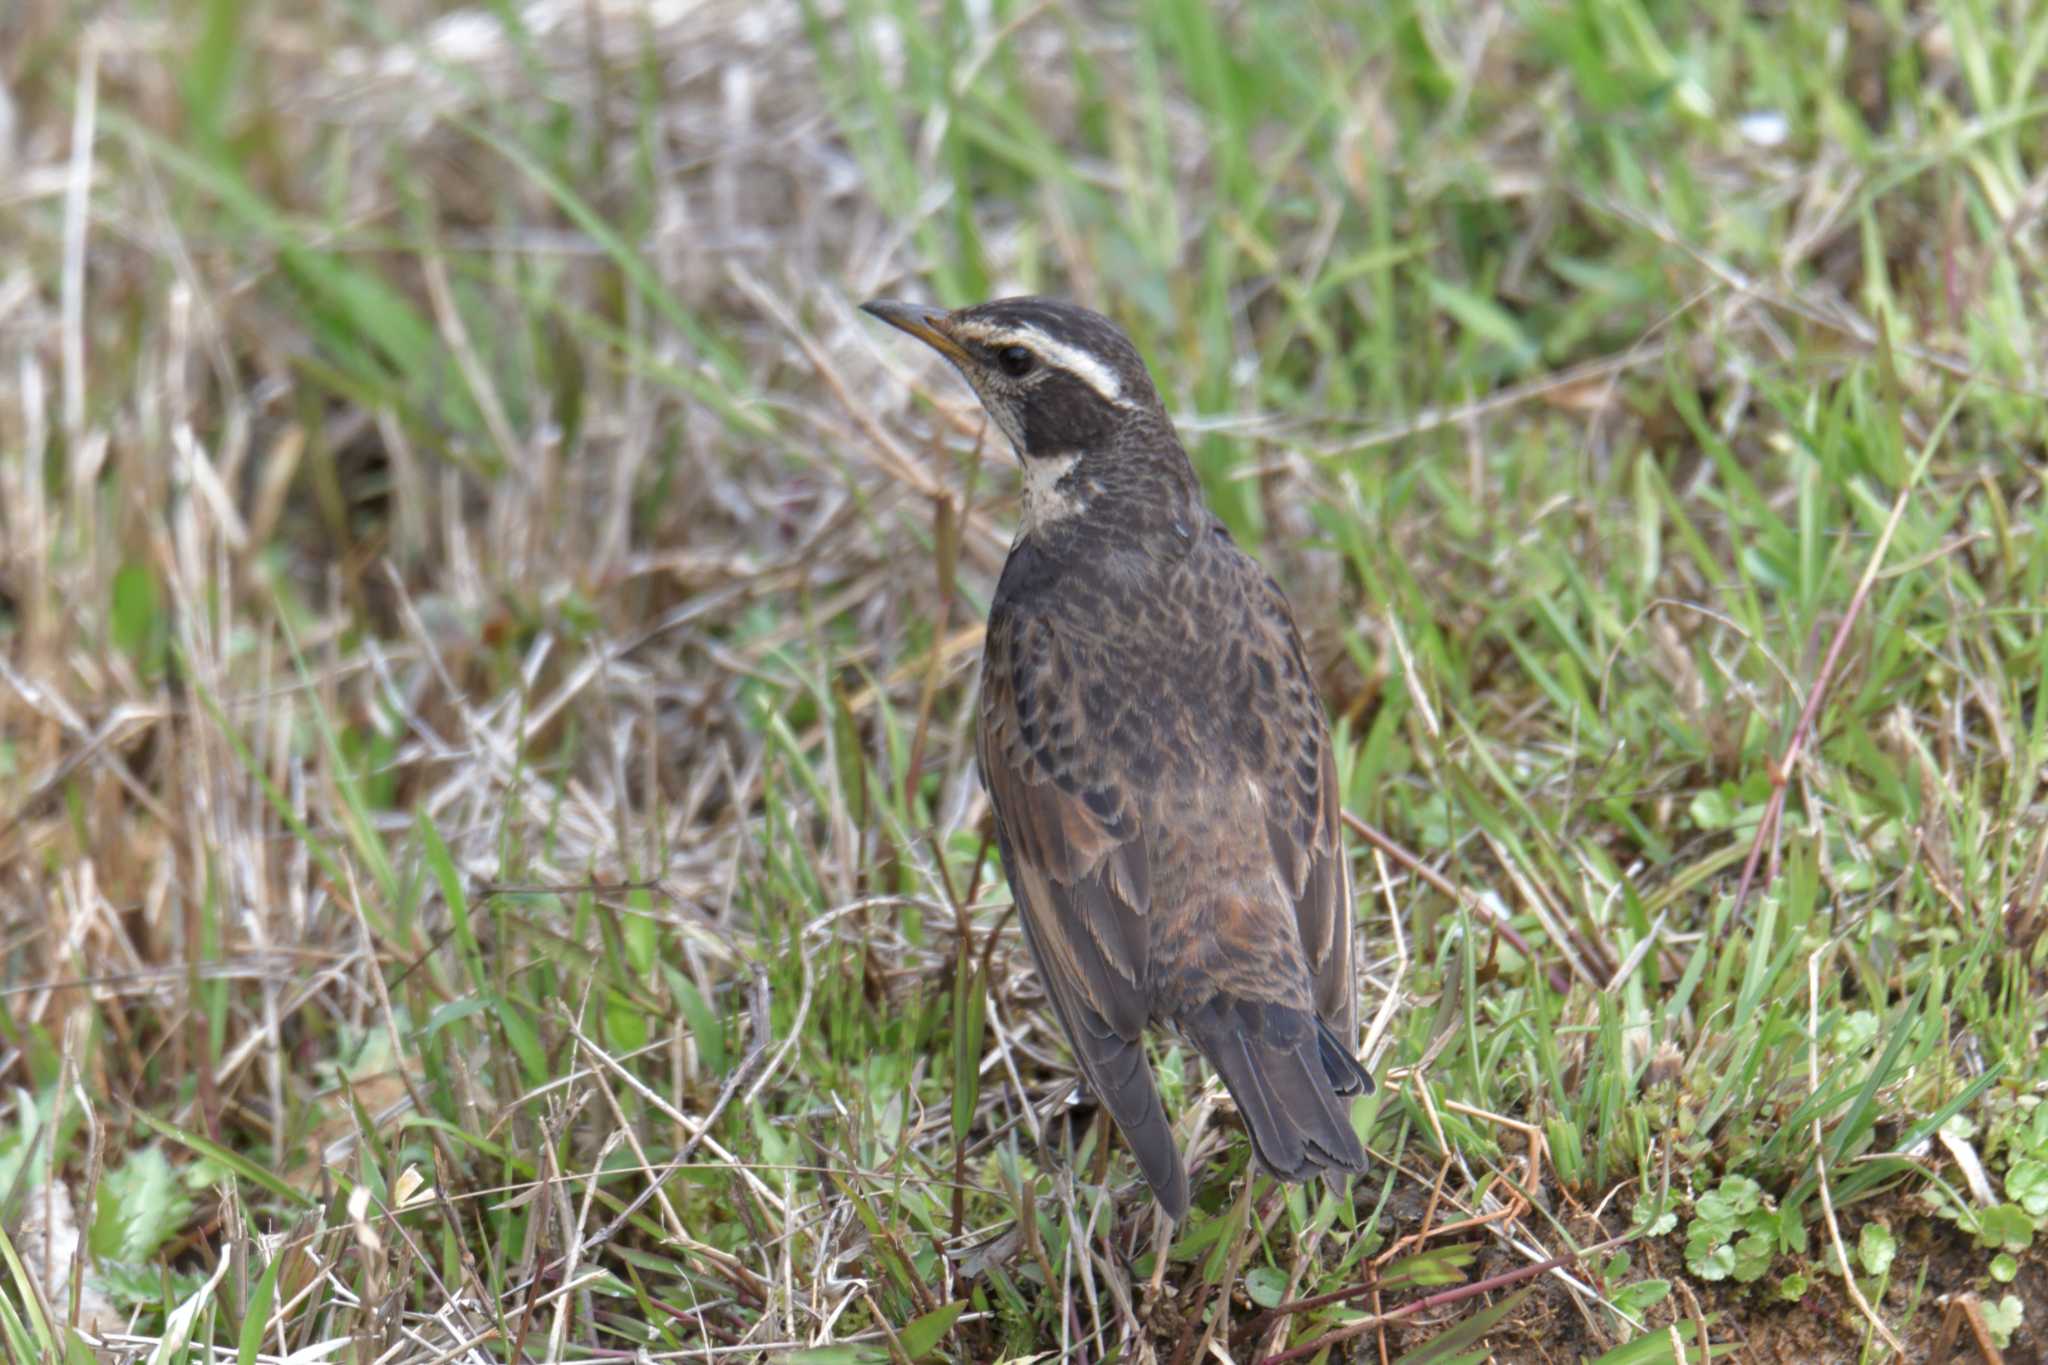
1083, 365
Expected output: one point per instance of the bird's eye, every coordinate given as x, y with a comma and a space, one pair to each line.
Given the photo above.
1016, 361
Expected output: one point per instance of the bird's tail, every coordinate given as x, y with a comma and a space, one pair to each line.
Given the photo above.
1288, 1073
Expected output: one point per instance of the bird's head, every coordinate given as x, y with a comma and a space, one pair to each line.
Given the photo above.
1072, 394
1058, 379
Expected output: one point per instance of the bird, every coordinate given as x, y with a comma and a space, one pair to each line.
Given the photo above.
1156, 754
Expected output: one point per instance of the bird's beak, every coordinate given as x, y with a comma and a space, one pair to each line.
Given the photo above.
921, 320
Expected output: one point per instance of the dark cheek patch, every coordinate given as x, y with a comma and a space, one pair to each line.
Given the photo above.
1063, 415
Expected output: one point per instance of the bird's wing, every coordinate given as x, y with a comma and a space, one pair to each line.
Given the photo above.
1069, 828
1303, 816
1075, 854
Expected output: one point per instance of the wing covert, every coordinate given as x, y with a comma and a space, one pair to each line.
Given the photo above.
1304, 822
1070, 832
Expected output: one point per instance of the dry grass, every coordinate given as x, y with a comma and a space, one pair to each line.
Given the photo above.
486, 633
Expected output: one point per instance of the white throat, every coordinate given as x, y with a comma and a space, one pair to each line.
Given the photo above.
1045, 501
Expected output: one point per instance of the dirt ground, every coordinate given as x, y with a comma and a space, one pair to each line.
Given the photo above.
1937, 1266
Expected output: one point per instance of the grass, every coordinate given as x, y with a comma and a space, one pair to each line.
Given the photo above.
490, 861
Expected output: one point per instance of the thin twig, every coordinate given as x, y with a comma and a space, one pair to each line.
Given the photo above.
1781, 770
1428, 1301
1559, 981
1820, 1163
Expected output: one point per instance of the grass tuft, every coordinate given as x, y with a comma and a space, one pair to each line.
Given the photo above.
491, 866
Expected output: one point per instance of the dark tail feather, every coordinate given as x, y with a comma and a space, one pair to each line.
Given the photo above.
1122, 1080
1346, 1075
1286, 1071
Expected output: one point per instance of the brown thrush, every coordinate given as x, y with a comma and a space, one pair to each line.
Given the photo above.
1158, 759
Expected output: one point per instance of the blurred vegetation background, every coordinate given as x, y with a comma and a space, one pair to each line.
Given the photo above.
487, 634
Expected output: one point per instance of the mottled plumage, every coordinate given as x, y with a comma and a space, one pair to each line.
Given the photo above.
1157, 757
